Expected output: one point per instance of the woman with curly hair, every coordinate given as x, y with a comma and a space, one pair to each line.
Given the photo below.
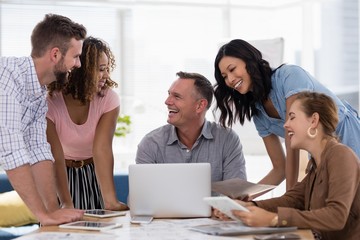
81, 120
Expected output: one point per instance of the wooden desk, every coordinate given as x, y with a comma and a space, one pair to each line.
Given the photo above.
169, 229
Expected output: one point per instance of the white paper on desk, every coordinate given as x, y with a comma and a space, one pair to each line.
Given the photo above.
232, 228
169, 229
66, 236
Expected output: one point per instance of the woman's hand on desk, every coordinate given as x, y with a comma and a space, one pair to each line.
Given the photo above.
61, 216
116, 206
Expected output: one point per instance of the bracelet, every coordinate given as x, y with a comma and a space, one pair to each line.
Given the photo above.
274, 221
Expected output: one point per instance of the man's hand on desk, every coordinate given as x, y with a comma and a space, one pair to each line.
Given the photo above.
61, 216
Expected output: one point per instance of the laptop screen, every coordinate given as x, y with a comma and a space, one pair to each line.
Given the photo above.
170, 190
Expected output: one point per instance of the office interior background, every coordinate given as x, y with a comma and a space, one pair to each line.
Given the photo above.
154, 39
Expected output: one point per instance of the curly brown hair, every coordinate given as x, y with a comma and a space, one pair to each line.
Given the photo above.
82, 82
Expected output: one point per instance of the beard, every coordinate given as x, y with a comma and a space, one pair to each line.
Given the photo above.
61, 77
60, 72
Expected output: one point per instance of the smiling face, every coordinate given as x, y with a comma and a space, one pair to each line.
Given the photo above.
297, 125
68, 61
235, 75
103, 72
182, 103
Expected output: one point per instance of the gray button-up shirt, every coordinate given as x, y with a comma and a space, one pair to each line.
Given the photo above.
221, 147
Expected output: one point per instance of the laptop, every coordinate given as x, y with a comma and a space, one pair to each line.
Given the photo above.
169, 190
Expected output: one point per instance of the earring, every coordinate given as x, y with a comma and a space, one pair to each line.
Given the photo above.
311, 135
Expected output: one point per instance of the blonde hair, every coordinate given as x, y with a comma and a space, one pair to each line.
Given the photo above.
314, 102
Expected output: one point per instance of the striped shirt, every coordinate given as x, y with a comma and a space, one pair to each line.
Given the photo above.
22, 114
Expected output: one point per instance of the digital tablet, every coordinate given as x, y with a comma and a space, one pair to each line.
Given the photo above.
102, 213
89, 225
225, 205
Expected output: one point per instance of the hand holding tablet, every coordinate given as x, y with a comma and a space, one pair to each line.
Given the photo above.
225, 205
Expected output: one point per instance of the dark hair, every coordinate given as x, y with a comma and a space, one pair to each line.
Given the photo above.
260, 73
313, 102
82, 82
55, 31
202, 85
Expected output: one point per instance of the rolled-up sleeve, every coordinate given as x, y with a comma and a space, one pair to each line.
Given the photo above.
35, 136
22, 115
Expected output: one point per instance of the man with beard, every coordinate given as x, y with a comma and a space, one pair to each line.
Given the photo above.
25, 154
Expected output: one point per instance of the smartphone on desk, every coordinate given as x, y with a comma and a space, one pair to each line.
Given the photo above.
141, 219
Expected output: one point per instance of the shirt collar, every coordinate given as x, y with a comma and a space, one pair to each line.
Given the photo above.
312, 164
34, 88
205, 132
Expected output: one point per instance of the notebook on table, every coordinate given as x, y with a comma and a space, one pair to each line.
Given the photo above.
174, 190
237, 228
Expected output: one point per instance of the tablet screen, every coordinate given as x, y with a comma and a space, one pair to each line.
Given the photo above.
102, 213
89, 225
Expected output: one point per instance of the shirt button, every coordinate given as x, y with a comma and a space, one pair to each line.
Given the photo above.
187, 150
284, 222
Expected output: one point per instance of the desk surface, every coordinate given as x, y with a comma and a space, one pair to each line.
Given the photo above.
169, 229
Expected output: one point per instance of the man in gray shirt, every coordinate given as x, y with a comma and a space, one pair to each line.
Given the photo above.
189, 137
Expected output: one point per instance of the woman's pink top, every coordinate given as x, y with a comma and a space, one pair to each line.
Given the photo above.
77, 140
